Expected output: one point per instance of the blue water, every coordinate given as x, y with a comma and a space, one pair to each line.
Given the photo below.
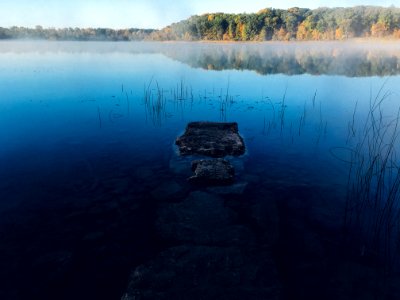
82, 154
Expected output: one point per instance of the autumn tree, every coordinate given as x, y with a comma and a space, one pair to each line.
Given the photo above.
379, 29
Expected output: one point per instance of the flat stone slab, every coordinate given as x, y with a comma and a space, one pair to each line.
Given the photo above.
212, 171
214, 139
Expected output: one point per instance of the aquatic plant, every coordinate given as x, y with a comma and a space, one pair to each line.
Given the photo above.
156, 98
225, 101
154, 102
182, 92
372, 212
291, 122
282, 111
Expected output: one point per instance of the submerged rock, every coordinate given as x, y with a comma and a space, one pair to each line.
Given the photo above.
202, 218
206, 272
234, 189
212, 139
212, 171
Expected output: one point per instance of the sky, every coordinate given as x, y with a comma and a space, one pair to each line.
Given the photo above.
142, 13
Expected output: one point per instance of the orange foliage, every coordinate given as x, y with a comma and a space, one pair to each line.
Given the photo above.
242, 31
396, 33
339, 34
316, 35
282, 35
226, 37
379, 29
302, 33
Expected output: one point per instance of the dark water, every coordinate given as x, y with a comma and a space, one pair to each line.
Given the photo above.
92, 187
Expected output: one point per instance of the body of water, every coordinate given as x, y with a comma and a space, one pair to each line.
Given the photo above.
94, 198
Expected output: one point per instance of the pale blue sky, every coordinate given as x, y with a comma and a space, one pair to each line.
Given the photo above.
141, 13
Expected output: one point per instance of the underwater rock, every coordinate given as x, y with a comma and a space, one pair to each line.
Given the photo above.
206, 272
202, 218
212, 139
212, 171
234, 189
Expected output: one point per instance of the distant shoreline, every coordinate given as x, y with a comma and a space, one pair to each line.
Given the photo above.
350, 40
269, 24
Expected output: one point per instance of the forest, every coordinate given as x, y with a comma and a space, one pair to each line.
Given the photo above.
292, 24
75, 34
267, 24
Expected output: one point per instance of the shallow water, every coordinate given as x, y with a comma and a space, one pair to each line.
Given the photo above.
89, 166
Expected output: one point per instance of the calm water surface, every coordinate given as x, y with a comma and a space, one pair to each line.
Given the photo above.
89, 167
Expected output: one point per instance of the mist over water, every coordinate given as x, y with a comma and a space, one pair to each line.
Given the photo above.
348, 58
89, 169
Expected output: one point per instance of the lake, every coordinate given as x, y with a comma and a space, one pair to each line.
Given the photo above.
94, 197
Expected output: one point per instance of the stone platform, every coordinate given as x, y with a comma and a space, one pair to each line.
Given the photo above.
213, 139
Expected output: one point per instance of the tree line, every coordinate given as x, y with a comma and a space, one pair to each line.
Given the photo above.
291, 24
75, 34
267, 24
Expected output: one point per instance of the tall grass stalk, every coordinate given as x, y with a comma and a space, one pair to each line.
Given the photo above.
155, 102
373, 197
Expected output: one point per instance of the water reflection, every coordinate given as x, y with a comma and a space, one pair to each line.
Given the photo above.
353, 59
